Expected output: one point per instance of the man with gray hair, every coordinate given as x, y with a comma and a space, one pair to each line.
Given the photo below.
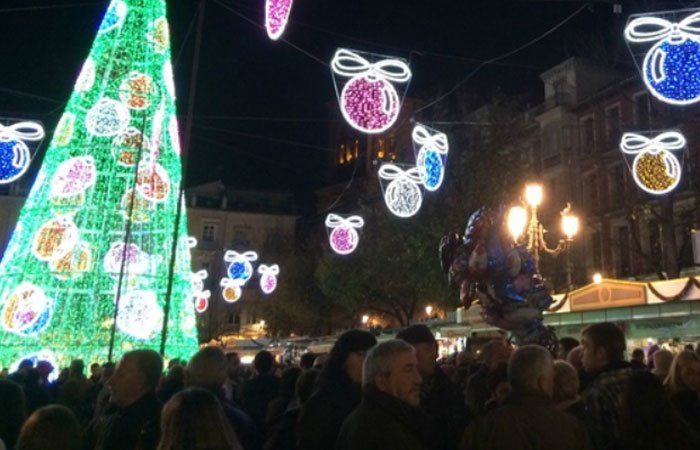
528, 419
389, 415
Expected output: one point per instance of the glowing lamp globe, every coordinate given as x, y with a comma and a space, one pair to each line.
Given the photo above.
368, 101
670, 68
517, 220
569, 225
533, 194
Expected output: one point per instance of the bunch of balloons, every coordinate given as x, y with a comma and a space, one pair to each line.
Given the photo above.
487, 266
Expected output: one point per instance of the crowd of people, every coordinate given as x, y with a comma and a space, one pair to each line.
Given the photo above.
366, 395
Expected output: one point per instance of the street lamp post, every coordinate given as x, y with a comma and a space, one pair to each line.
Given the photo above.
518, 222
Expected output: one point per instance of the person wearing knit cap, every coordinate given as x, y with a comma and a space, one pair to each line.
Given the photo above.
337, 392
441, 400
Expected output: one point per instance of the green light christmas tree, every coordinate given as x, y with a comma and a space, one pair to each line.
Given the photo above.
97, 228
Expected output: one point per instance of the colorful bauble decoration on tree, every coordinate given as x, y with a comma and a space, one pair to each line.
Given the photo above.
73, 177
74, 264
127, 145
55, 239
432, 154
159, 35
276, 17
136, 260
136, 91
655, 169
107, 118
87, 76
268, 278
141, 211
369, 101
114, 18
484, 264
152, 182
343, 235
14, 152
139, 314
671, 68
403, 195
64, 130
27, 310
231, 290
240, 269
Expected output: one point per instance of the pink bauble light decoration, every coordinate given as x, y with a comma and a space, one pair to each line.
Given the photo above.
268, 278
73, 177
276, 17
344, 237
368, 101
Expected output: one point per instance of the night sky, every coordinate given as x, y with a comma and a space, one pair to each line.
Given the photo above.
261, 114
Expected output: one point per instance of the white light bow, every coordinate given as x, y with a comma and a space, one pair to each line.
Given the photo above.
437, 142
335, 221
22, 131
633, 143
350, 64
394, 172
269, 270
651, 29
231, 256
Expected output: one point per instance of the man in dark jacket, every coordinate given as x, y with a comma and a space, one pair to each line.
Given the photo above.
494, 353
603, 358
528, 420
132, 419
256, 393
389, 416
441, 400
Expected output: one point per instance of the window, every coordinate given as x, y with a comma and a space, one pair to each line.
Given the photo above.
596, 251
613, 126
616, 182
624, 263
209, 231
240, 239
642, 110
587, 127
590, 190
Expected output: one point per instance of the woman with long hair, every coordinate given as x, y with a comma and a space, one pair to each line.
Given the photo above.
337, 392
683, 383
193, 419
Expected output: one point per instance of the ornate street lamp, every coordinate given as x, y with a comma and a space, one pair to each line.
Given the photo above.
534, 231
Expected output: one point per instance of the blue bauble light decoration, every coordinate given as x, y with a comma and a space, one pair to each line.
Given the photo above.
114, 17
433, 167
14, 160
240, 271
672, 71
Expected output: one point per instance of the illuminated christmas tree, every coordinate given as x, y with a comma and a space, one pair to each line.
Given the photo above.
98, 225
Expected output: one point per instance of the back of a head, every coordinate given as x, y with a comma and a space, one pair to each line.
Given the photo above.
566, 344
305, 384
25, 364
194, 419
12, 411
527, 364
416, 334
108, 369
638, 354
149, 363
53, 427
492, 352
77, 367
566, 381
288, 381
609, 337
379, 359
662, 361
263, 362
306, 361
349, 342
207, 369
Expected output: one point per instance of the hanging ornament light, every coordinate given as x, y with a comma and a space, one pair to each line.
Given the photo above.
670, 69
369, 101
343, 235
240, 268
655, 169
403, 195
231, 290
268, 278
14, 152
276, 17
431, 156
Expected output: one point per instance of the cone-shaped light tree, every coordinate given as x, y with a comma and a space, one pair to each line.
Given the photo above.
94, 239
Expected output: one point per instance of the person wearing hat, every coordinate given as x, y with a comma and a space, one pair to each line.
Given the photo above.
441, 400
337, 392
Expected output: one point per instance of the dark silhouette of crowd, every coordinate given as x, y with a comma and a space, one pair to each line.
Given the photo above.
365, 395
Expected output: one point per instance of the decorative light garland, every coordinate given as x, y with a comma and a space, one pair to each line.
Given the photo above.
14, 152
403, 195
268, 278
670, 68
431, 156
368, 101
343, 236
240, 268
655, 169
276, 17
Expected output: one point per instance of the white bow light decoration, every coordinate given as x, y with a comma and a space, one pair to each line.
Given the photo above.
14, 152
670, 68
403, 195
268, 278
431, 156
655, 169
343, 236
368, 101
276, 17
